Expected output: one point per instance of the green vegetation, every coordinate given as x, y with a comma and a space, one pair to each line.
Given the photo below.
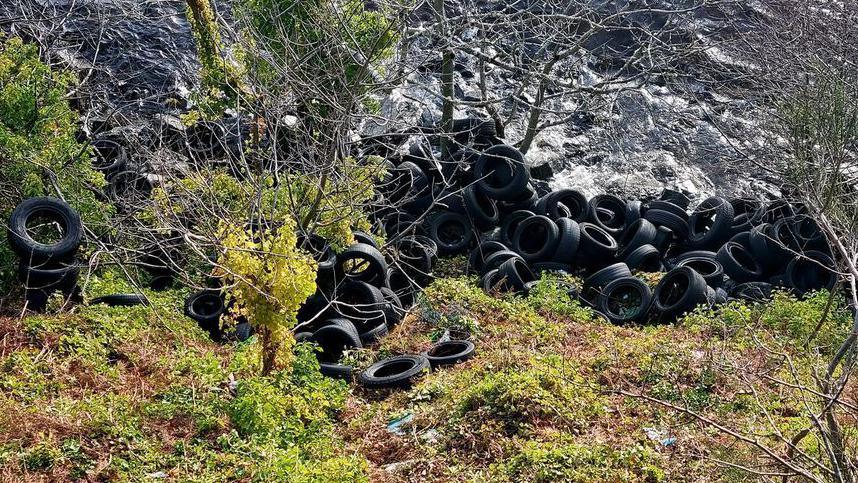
38, 146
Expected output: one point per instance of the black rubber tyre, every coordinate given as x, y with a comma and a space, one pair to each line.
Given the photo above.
451, 232
362, 304
663, 237
393, 310
711, 223
510, 223
398, 371
608, 212
206, 307
570, 239
811, 271
449, 353
500, 173
489, 280
763, 243
566, 203
482, 211
752, 291
597, 246
673, 261
55, 210
62, 277
607, 275
739, 264
639, 233
402, 286
303, 337
335, 337
634, 211
745, 211
625, 300
368, 264
676, 197
478, 256
496, 259
645, 258
120, 300
679, 291
337, 371
808, 234
668, 207
375, 334
415, 257
708, 267
365, 238
516, 273
536, 238
664, 218
744, 239
774, 211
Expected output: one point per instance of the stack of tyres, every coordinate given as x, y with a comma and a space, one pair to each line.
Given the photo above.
47, 266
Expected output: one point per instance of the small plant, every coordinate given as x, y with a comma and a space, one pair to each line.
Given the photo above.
271, 278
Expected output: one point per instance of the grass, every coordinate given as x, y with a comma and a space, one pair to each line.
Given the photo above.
130, 394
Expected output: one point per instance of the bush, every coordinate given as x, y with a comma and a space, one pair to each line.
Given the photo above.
41, 155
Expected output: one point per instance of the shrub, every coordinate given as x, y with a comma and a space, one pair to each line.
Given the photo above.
41, 155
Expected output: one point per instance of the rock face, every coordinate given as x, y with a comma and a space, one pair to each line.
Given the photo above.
680, 125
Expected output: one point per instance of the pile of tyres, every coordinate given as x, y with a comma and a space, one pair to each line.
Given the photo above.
481, 200
46, 267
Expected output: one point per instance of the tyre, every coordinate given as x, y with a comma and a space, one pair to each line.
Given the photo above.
206, 307
527, 201
303, 337
361, 262
375, 334
476, 261
708, 267
663, 237
516, 273
482, 211
752, 291
597, 247
639, 233
745, 211
361, 303
450, 352
489, 280
739, 264
500, 173
625, 300
566, 203
679, 291
607, 275
393, 310
669, 220
510, 223
335, 337
414, 256
365, 238
403, 286
496, 259
570, 239
536, 238
711, 223
398, 371
634, 211
676, 197
451, 232
645, 258
762, 243
774, 211
744, 239
608, 212
811, 271
120, 300
668, 207
808, 234
337, 371
44, 211
61, 277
